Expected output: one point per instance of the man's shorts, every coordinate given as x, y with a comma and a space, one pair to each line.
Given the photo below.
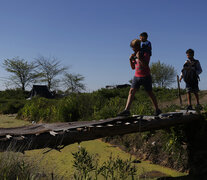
192, 88
144, 81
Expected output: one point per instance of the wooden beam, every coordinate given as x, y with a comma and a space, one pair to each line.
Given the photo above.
55, 135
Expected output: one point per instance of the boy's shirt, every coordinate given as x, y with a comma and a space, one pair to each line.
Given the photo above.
190, 72
142, 69
146, 47
194, 65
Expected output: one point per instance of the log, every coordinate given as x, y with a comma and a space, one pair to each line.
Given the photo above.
56, 135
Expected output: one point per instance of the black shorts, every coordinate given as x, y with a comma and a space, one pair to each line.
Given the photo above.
146, 82
193, 88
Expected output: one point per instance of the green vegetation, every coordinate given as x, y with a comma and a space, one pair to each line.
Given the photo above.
62, 163
11, 101
161, 147
87, 167
103, 103
12, 167
23, 72
163, 75
84, 106
16, 166
94, 159
164, 147
11, 121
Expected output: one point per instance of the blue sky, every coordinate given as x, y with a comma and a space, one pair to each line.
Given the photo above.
93, 36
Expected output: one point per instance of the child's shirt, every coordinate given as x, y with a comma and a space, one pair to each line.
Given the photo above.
146, 47
142, 69
194, 65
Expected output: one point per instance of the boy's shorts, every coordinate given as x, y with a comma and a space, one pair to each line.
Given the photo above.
144, 81
192, 88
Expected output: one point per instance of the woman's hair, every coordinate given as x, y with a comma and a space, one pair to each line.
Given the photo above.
135, 43
190, 51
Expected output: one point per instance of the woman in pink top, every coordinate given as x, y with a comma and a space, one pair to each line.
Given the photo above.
140, 62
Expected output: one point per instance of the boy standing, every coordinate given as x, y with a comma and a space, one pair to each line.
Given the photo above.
190, 74
139, 61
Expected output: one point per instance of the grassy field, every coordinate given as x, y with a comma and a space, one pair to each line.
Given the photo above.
7, 121
61, 162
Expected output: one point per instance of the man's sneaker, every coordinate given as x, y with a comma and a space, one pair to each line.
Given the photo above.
124, 113
189, 107
198, 107
158, 112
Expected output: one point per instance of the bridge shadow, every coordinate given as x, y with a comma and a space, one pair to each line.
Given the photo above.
180, 178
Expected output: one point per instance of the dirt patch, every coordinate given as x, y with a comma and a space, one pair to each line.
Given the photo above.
202, 95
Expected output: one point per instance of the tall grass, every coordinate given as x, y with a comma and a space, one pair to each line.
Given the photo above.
103, 103
16, 166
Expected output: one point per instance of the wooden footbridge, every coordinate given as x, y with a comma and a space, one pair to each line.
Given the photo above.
58, 135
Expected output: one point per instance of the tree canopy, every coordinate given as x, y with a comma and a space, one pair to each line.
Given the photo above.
49, 69
163, 75
23, 72
73, 82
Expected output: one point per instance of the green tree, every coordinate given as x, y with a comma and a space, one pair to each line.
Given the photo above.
163, 75
23, 72
50, 68
73, 82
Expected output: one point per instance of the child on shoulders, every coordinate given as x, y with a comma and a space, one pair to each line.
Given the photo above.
139, 62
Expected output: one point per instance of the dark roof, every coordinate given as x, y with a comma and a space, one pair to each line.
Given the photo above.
117, 86
41, 90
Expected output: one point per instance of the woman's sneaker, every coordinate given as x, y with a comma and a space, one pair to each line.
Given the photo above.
198, 107
124, 113
189, 107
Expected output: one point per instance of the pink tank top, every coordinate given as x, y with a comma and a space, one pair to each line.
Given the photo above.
140, 69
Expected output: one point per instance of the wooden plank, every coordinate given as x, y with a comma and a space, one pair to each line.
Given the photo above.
42, 128
187, 111
49, 137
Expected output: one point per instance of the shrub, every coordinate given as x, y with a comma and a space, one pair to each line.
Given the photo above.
87, 167
11, 101
111, 108
100, 104
11, 106
76, 107
14, 94
84, 164
38, 109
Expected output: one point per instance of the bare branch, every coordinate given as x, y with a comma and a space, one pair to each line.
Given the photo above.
49, 69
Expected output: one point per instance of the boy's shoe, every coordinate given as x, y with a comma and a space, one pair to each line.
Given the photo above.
189, 107
198, 107
124, 113
158, 112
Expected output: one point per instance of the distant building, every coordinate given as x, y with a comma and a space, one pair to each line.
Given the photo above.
40, 90
117, 86
110, 87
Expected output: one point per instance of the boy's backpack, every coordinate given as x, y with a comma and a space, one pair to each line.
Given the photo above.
189, 72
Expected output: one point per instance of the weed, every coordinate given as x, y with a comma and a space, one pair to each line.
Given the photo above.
87, 167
